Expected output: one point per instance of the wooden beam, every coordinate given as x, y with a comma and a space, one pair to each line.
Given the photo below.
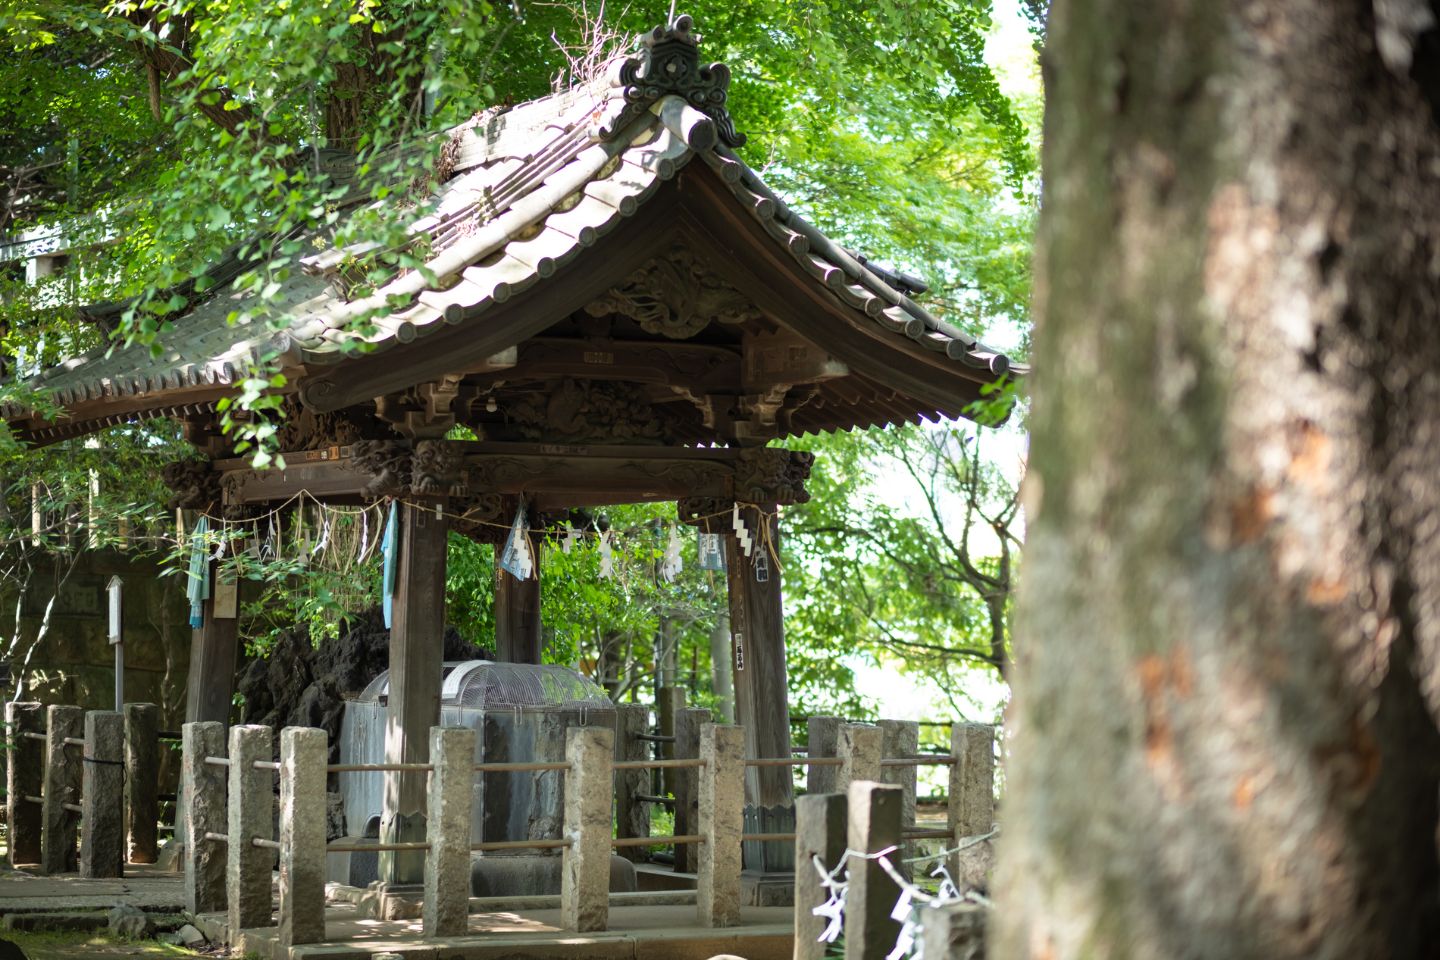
417, 640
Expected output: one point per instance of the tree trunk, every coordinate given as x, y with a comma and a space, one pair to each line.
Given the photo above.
1224, 741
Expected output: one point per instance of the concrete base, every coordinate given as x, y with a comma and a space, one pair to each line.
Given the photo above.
767, 889
395, 901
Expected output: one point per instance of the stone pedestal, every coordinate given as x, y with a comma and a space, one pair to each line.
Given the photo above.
823, 740
722, 798
205, 787
585, 867
142, 771
63, 776
870, 931
955, 931
821, 830
859, 749
447, 862
252, 807
24, 777
102, 839
632, 816
303, 755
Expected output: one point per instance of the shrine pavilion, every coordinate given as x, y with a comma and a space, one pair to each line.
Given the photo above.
618, 309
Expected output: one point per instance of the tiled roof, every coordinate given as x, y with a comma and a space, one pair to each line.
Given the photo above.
530, 188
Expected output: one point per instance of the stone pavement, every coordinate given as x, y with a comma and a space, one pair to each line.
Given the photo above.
638, 933
144, 885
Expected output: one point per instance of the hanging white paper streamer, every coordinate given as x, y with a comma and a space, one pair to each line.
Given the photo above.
742, 533
515, 558
572, 536
607, 558
671, 565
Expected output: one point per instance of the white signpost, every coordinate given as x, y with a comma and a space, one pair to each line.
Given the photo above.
117, 640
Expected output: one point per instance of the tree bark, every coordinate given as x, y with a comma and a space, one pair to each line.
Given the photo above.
1224, 738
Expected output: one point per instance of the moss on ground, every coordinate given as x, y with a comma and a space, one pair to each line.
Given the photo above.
64, 945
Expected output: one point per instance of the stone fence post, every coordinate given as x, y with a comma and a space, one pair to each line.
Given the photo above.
686, 783
304, 751
900, 739
252, 804
823, 740
870, 931
821, 830
972, 780
585, 866
953, 931
632, 816
142, 785
859, 749
447, 862
102, 825
205, 813
63, 777
24, 780
722, 824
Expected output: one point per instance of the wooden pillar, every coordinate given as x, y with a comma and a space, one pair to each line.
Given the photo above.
417, 634
517, 615
762, 708
757, 631
214, 647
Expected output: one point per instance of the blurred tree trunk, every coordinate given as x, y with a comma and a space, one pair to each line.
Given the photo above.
1227, 678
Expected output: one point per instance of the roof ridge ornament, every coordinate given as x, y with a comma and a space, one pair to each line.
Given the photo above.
670, 64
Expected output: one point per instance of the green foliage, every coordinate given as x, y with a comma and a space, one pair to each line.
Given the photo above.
171, 133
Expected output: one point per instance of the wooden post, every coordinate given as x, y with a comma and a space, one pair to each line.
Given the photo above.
252, 808
757, 629
517, 615
823, 736
205, 812
142, 769
686, 784
447, 862
102, 825
585, 866
214, 649
632, 816
870, 931
24, 778
304, 752
722, 823
860, 750
417, 637
821, 830
63, 777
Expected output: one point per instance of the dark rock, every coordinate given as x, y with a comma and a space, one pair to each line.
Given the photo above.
9, 951
130, 922
299, 684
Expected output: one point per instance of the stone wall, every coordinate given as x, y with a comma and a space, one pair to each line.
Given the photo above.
75, 664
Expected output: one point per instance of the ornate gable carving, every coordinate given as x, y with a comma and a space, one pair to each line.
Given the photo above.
591, 411
676, 296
